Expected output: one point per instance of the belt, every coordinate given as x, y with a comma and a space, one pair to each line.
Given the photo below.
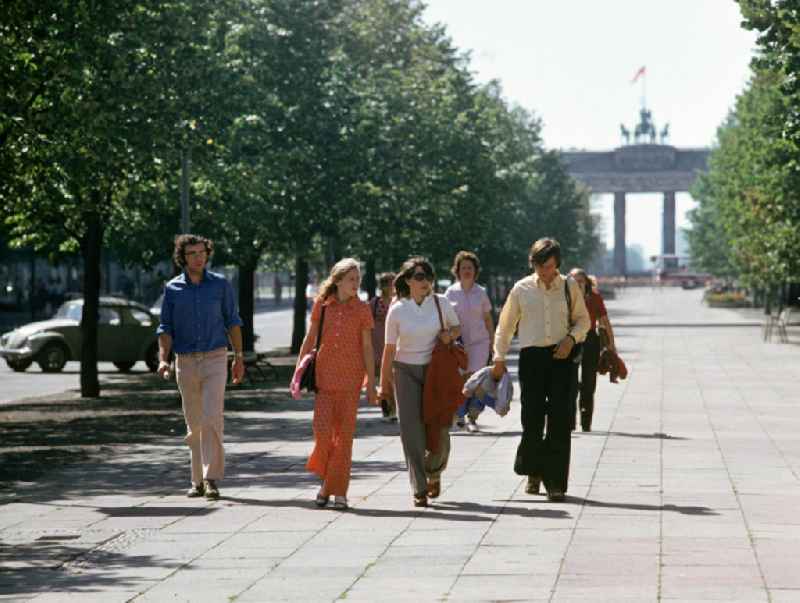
201, 355
539, 347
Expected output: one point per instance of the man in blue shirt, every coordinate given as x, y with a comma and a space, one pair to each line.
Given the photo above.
198, 319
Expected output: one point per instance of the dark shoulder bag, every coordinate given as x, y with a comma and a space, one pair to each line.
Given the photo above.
308, 381
576, 355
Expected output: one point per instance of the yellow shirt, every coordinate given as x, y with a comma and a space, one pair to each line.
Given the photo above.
541, 313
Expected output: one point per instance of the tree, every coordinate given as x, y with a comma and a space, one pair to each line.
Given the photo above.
748, 219
98, 122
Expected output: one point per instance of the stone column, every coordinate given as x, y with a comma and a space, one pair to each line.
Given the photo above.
668, 229
620, 265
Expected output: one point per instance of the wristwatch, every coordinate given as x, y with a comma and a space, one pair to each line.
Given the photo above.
572, 337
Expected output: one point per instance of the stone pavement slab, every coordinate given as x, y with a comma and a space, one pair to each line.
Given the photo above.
687, 489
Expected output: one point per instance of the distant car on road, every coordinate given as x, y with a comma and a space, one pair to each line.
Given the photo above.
126, 333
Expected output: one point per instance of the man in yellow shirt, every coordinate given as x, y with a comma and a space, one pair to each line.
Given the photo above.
552, 318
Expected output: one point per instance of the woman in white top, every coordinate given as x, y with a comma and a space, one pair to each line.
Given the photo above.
474, 311
412, 328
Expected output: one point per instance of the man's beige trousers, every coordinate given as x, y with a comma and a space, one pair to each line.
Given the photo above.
201, 380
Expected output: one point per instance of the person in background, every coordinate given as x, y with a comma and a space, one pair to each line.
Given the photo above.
379, 306
592, 346
412, 329
198, 319
344, 358
552, 318
474, 311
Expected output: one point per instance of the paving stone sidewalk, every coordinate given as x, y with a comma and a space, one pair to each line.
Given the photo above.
687, 489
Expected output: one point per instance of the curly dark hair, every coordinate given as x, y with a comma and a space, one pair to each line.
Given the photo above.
468, 256
407, 271
544, 249
183, 241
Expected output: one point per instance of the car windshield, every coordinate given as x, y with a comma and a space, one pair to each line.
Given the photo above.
70, 310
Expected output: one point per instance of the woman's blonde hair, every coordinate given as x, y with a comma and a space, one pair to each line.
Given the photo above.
338, 272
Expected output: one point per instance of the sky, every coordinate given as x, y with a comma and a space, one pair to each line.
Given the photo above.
571, 62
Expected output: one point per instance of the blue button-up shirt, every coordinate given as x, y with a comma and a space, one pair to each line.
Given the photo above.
198, 317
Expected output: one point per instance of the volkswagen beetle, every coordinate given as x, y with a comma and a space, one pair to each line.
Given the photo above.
126, 333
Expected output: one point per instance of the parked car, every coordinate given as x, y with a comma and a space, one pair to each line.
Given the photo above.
126, 333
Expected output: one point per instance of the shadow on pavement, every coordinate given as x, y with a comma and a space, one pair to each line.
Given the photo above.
648, 436
478, 513
684, 510
506, 510
152, 511
458, 433
49, 433
54, 566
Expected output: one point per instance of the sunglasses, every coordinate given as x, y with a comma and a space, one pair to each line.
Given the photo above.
422, 276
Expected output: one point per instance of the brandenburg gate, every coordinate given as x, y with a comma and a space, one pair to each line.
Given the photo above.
641, 166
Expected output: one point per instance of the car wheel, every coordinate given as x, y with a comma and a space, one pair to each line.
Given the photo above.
19, 366
151, 358
52, 358
124, 367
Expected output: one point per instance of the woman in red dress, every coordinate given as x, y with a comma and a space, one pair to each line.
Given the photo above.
344, 359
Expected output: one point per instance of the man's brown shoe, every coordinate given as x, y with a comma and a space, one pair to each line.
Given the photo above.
196, 491
212, 492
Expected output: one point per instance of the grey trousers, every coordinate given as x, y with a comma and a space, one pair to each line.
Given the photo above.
409, 379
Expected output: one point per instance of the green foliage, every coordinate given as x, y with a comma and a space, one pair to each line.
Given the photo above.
747, 223
348, 125
778, 25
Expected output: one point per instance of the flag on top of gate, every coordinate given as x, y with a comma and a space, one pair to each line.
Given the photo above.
639, 73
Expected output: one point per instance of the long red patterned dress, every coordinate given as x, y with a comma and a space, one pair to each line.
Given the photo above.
340, 376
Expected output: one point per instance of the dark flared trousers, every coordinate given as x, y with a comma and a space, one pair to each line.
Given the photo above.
591, 356
548, 390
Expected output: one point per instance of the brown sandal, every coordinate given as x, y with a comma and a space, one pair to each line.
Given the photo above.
434, 488
420, 500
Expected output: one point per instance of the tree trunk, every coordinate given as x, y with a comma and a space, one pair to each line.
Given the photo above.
34, 290
369, 278
333, 252
300, 284
90, 248
247, 275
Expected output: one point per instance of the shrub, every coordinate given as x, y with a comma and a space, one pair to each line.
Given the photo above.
727, 299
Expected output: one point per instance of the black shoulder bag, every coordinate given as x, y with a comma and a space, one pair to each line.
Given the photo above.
308, 381
576, 355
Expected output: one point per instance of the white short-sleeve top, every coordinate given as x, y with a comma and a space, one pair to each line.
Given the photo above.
413, 327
